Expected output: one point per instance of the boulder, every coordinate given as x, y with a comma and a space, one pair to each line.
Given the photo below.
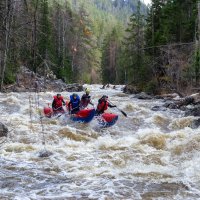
196, 123
170, 96
158, 108
180, 103
3, 130
159, 97
196, 98
45, 153
193, 112
130, 89
142, 95
28, 81
171, 105
19, 89
76, 87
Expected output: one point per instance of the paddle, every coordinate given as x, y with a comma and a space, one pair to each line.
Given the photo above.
66, 112
56, 109
72, 110
119, 109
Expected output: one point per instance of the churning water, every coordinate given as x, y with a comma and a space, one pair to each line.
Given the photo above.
148, 155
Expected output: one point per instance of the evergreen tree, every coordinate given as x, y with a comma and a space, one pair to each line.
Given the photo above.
134, 54
110, 56
62, 34
170, 22
44, 35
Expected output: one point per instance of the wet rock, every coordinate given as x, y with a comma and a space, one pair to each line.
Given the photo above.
19, 89
158, 97
196, 123
170, 96
193, 111
8, 184
158, 108
171, 105
45, 153
184, 102
74, 87
196, 98
3, 130
179, 104
142, 95
28, 81
130, 89
188, 100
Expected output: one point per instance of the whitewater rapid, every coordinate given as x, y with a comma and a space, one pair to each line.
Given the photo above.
148, 155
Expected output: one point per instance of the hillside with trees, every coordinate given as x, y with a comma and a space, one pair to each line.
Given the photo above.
62, 36
103, 41
160, 51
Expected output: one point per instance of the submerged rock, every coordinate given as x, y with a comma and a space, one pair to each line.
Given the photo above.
3, 130
158, 108
193, 111
196, 123
45, 153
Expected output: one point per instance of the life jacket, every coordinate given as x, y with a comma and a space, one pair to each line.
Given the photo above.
58, 101
48, 111
102, 105
74, 102
85, 100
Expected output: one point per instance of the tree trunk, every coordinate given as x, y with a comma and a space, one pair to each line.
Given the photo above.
34, 37
8, 17
198, 48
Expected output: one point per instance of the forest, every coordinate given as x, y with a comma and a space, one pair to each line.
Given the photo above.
152, 48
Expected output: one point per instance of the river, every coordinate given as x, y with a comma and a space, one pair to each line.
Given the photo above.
148, 155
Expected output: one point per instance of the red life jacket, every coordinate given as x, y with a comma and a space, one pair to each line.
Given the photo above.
85, 100
103, 105
58, 101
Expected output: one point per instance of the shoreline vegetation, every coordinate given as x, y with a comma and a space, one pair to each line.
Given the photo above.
154, 49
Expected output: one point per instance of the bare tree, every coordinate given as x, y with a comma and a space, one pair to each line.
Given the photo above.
6, 16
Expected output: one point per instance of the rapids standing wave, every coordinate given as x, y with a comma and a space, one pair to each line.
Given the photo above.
149, 155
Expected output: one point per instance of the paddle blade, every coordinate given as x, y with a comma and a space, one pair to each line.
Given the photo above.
59, 116
123, 113
119, 109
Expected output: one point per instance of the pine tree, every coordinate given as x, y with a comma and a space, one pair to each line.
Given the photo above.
61, 18
111, 68
134, 43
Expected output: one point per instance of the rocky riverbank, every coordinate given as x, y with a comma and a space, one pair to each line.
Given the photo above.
189, 104
28, 81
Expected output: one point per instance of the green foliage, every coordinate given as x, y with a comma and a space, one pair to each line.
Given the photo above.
86, 78
44, 36
110, 55
151, 87
170, 22
194, 71
133, 43
70, 37
10, 73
